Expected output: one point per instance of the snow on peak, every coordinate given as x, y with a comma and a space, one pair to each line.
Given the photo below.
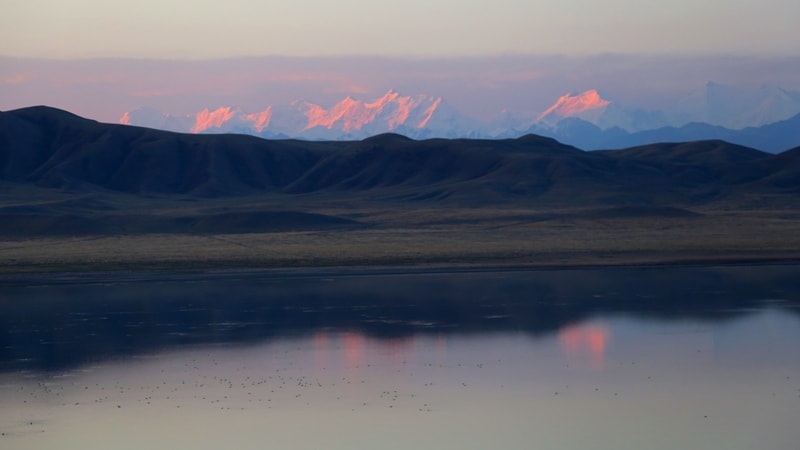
260, 120
212, 119
429, 113
735, 107
387, 98
350, 118
570, 104
392, 110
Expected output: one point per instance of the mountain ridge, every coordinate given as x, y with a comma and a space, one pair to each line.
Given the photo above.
387, 199
585, 119
348, 118
50, 148
773, 137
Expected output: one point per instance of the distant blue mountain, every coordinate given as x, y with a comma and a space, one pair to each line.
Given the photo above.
775, 137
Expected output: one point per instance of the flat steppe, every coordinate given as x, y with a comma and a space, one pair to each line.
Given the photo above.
78, 195
459, 237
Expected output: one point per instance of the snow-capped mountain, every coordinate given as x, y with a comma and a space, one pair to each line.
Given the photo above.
715, 104
588, 104
418, 116
734, 107
588, 119
763, 117
153, 118
591, 107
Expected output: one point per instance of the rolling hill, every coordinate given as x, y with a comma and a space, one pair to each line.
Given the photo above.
62, 173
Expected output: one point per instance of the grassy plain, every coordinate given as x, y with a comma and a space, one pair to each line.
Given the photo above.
80, 195
435, 236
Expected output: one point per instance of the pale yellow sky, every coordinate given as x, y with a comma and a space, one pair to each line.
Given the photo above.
199, 29
481, 87
482, 56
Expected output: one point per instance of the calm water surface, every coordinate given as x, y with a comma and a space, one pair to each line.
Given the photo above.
660, 358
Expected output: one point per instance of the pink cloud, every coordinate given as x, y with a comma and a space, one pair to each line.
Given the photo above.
104, 88
520, 76
347, 88
16, 79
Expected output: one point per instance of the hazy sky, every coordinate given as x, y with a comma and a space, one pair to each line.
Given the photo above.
229, 28
100, 58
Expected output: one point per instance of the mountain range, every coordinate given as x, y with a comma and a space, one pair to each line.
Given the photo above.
765, 118
53, 149
76, 194
419, 116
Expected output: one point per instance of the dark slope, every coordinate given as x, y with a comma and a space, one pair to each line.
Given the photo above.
708, 153
52, 148
704, 171
696, 163
438, 168
778, 174
55, 149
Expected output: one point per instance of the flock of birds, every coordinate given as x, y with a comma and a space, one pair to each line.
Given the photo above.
209, 383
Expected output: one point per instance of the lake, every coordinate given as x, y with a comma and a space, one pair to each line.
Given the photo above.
621, 358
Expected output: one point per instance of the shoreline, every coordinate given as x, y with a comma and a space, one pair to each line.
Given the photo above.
66, 274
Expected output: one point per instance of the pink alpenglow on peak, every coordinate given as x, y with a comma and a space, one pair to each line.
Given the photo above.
402, 110
429, 113
420, 115
260, 120
348, 111
212, 119
569, 105
350, 115
400, 116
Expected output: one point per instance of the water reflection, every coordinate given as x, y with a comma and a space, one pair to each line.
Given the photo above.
64, 322
601, 359
585, 341
682, 383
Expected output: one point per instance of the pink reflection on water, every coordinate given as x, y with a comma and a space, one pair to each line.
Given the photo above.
356, 350
584, 343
